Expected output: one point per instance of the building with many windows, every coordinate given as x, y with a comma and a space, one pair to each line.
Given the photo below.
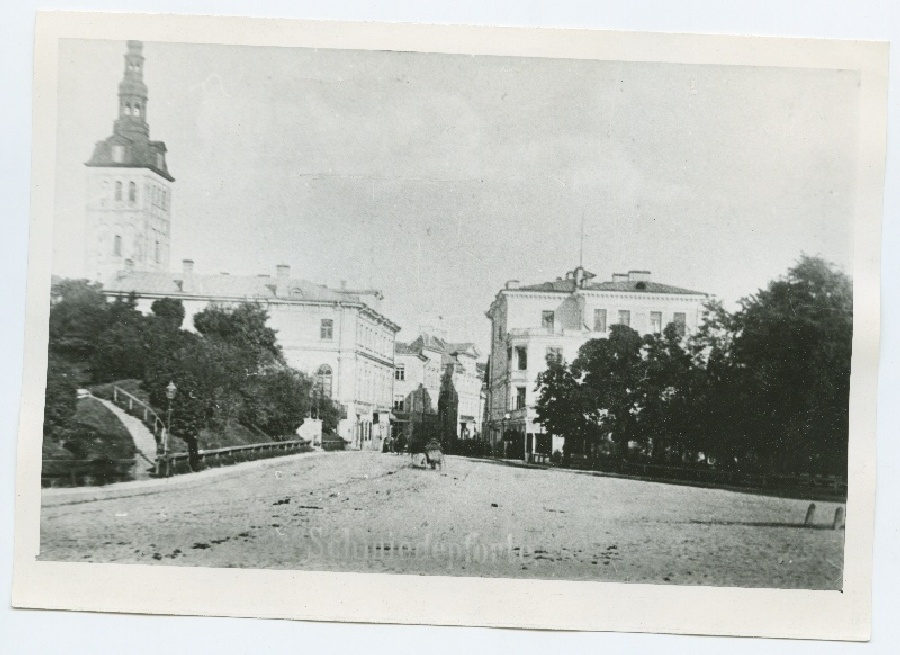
337, 336
534, 323
425, 369
129, 186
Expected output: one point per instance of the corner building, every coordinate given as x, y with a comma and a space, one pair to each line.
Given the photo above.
534, 323
338, 337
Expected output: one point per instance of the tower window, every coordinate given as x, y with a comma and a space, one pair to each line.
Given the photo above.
118, 154
127, 111
118, 190
117, 246
137, 109
132, 192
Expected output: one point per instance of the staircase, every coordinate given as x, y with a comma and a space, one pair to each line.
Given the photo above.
144, 441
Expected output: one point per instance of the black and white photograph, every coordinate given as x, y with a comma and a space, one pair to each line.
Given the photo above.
440, 314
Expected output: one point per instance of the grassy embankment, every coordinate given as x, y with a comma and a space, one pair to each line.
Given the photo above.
232, 434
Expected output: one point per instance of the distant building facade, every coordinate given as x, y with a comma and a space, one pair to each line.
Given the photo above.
433, 379
337, 336
532, 324
129, 188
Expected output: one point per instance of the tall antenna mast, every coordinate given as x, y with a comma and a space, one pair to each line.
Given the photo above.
581, 247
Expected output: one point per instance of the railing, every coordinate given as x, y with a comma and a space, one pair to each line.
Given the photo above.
146, 413
174, 463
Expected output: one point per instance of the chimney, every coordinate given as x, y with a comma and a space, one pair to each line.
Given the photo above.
187, 284
579, 277
282, 276
512, 285
620, 277
638, 276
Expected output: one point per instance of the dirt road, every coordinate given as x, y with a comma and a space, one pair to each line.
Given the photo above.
360, 511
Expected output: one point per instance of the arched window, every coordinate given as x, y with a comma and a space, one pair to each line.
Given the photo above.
157, 251
118, 190
117, 246
323, 380
137, 109
127, 110
132, 192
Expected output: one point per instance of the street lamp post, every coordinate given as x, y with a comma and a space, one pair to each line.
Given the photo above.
171, 390
503, 421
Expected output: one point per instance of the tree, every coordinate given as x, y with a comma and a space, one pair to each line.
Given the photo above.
448, 409
245, 326
667, 394
611, 371
276, 401
562, 410
170, 310
794, 340
60, 399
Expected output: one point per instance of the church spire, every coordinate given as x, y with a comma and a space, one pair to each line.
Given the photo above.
132, 119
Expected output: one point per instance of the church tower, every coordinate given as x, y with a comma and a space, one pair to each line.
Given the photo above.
129, 187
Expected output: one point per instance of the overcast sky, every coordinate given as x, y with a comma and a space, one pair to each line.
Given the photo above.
436, 178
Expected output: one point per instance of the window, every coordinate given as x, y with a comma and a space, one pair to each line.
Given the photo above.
520, 397
522, 357
159, 161
118, 190
400, 372
137, 109
132, 192
165, 200
117, 246
599, 320
127, 109
118, 155
554, 354
655, 322
323, 381
156, 253
680, 320
398, 403
547, 319
326, 329
624, 317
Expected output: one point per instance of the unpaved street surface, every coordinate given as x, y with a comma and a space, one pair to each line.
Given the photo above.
359, 511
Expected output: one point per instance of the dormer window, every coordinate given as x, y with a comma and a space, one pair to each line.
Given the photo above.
159, 160
118, 155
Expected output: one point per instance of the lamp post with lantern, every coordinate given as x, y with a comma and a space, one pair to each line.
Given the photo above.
171, 390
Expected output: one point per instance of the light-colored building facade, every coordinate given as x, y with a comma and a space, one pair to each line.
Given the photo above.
337, 336
129, 188
426, 367
530, 324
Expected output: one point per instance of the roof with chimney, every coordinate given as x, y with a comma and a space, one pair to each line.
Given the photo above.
633, 281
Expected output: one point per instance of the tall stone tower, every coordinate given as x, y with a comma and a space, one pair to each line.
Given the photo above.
129, 187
